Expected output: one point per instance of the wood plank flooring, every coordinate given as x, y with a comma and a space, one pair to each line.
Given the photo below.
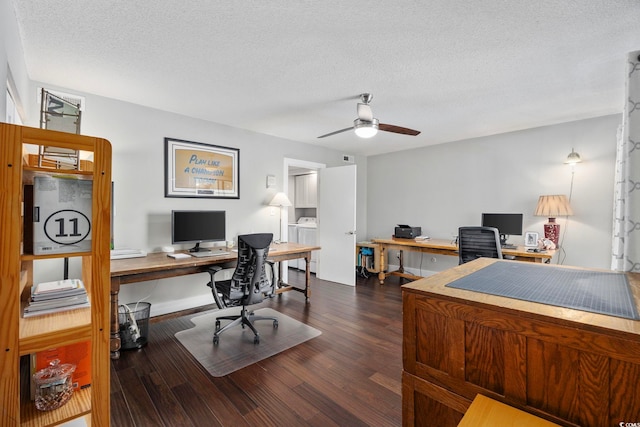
348, 376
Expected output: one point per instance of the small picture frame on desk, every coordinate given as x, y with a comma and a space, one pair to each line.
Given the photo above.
530, 239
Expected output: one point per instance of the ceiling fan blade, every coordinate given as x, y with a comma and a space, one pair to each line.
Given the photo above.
336, 132
364, 112
398, 129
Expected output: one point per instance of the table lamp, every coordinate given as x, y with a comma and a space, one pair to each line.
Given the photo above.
552, 207
281, 200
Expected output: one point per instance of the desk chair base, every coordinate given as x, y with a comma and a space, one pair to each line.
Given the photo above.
244, 318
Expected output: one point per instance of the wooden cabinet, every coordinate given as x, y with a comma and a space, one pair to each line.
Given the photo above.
306, 191
567, 366
20, 337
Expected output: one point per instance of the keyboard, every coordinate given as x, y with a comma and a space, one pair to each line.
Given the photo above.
127, 253
208, 254
509, 247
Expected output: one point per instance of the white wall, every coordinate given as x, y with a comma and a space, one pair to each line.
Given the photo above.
446, 186
11, 58
142, 218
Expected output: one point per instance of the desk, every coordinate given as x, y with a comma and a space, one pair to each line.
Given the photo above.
486, 412
160, 266
442, 247
568, 366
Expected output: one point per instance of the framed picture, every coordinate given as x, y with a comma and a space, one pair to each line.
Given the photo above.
195, 169
531, 239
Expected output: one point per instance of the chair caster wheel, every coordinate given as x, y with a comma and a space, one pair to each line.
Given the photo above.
275, 324
256, 339
216, 340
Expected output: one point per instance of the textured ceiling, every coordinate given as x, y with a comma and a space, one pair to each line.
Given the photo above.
293, 69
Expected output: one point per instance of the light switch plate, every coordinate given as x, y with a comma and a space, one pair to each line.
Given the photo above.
271, 181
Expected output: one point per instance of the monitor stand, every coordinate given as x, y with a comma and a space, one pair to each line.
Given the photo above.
197, 248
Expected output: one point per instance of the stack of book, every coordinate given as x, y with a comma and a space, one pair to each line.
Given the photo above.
53, 297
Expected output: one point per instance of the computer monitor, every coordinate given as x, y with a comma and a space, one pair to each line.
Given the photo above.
506, 223
198, 227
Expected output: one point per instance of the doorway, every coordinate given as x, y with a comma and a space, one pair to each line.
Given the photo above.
332, 227
298, 168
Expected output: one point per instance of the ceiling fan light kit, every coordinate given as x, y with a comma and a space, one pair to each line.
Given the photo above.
365, 129
367, 126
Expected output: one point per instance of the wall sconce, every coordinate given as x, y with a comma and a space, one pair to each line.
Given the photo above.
573, 158
552, 207
281, 200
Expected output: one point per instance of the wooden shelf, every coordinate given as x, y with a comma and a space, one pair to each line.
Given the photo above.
79, 405
21, 337
49, 330
30, 257
35, 170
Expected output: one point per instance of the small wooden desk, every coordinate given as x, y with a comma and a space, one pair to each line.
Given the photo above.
160, 266
486, 412
442, 247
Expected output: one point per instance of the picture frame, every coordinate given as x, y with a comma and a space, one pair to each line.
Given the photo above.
531, 239
197, 169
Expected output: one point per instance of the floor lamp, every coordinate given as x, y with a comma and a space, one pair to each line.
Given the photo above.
281, 200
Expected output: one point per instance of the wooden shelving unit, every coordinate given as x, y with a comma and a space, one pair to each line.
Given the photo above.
20, 336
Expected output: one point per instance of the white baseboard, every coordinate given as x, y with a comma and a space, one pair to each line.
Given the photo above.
411, 270
166, 307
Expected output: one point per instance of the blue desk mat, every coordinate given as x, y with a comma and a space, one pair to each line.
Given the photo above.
595, 291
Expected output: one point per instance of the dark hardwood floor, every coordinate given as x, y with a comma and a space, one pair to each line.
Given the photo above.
348, 376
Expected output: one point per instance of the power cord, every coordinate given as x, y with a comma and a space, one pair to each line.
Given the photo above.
131, 325
563, 253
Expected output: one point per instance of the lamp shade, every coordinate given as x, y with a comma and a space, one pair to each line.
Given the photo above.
553, 206
573, 158
280, 199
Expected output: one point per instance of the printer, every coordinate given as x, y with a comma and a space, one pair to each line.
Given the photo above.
407, 232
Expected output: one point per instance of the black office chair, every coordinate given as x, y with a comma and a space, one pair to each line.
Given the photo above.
476, 242
249, 284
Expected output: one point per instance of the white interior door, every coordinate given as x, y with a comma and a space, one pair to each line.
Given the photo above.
337, 224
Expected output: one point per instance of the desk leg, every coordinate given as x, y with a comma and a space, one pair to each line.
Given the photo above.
280, 281
383, 265
285, 287
401, 258
307, 277
114, 343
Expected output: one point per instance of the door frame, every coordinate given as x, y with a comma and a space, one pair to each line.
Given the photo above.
289, 162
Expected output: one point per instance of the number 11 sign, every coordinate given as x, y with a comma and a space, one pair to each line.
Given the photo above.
61, 215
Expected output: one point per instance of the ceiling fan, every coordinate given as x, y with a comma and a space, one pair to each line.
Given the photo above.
366, 126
